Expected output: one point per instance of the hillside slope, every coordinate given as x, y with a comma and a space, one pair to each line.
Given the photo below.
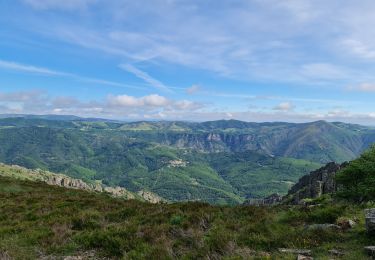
39, 221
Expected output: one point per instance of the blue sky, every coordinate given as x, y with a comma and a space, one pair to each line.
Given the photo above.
253, 60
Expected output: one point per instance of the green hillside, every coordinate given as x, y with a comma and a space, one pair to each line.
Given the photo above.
47, 222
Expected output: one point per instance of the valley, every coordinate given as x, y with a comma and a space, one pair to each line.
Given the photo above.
220, 162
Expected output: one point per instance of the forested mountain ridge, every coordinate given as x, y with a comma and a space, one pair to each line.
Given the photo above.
218, 162
318, 141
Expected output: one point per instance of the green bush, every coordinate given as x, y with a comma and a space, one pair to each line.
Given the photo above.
322, 215
176, 220
103, 240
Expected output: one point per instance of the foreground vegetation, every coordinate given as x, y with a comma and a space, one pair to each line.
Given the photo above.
38, 220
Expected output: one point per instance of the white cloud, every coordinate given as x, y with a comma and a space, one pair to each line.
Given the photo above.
124, 101
323, 71
153, 100
359, 48
364, 87
285, 106
32, 96
116, 106
158, 107
193, 89
145, 76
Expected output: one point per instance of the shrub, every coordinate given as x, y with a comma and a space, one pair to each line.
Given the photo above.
86, 220
103, 240
176, 220
328, 214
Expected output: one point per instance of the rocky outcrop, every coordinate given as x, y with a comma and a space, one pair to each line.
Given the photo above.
177, 163
345, 223
71, 183
149, 196
15, 171
370, 221
119, 192
67, 182
314, 185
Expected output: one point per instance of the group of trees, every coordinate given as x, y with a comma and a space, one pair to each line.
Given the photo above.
357, 180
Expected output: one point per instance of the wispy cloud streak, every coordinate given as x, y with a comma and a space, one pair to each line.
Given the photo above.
145, 76
10, 65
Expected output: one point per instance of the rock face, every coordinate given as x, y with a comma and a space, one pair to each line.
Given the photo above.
64, 181
317, 183
370, 221
71, 183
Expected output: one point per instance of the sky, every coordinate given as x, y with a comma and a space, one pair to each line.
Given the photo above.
197, 60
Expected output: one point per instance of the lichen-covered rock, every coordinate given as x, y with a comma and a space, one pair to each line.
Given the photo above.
67, 182
370, 221
304, 252
345, 223
314, 185
149, 196
322, 227
304, 257
119, 192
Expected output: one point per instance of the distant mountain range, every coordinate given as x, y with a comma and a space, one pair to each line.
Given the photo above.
218, 162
